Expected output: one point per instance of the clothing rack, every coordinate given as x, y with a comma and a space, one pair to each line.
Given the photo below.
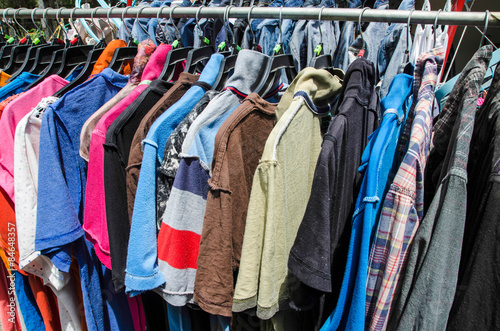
310, 13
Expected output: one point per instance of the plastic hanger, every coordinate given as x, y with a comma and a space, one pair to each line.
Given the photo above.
362, 50
406, 67
20, 51
123, 54
196, 56
6, 50
228, 63
177, 54
77, 55
29, 60
44, 55
275, 64
320, 60
253, 43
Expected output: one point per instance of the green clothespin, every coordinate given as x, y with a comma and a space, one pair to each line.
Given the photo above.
175, 44
10, 40
136, 41
318, 50
36, 41
221, 46
277, 48
238, 48
206, 40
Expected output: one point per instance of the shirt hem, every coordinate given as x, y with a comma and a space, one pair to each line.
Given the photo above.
213, 308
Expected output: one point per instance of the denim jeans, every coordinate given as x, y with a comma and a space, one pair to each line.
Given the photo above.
392, 49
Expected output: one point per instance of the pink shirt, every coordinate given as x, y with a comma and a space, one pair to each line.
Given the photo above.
94, 223
11, 115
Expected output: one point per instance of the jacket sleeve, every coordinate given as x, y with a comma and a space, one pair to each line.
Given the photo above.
311, 253
142, 271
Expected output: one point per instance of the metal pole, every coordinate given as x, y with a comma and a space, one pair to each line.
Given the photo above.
332, 14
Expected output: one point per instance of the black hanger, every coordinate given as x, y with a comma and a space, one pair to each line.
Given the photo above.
6, 50
31, 56
196, 56
176, 54
406, 66
123, 54
19, 52
84, 74
277, 62
77, 55
50, 69
45, 54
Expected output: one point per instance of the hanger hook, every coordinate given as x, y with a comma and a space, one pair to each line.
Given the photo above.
46, 21
58, 12
92, 20
226, 25
435, 26
408, 32
15, 20
171, 19
319, 25
33, 20
123, 20
138, 22
162, 29
249, 23
361, 28
281, 31
108, 21
71, 21
486, 20
197, 20
8, 24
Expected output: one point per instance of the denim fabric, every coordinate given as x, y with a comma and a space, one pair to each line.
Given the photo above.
341, 56
125, 29
392, 49
145, 28
165, 31
372, 36
306, 36
187, 34
268, 30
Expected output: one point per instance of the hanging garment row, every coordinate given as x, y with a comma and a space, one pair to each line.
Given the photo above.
260, 174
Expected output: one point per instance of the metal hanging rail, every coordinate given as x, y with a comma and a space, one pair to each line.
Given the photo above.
309, 13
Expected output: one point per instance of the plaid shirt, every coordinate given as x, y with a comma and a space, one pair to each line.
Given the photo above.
403, 205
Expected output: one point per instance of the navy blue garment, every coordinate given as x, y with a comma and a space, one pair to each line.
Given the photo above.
17, 85
61, 185
27, 304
